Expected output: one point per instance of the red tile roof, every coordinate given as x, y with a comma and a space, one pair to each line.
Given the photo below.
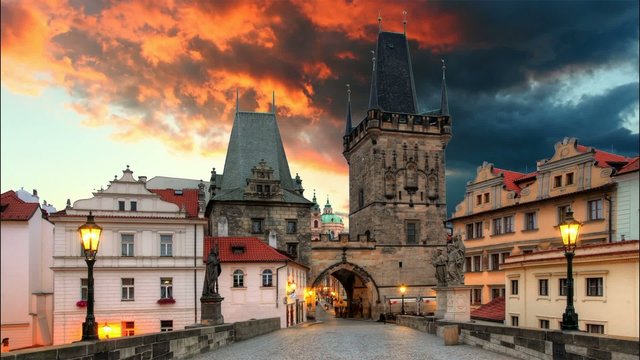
187, 198
255, 250
603, 157
509, 178
491, 311
13, 208
630, 167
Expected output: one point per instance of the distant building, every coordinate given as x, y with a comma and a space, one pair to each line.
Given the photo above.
27, 280
606, 288
506, 213
325, 221
149, 271
627, 201
256, 195
258, 282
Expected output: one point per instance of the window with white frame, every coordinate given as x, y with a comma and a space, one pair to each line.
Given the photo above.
477, 259
508, 224
166, 288
128, 328
494, 261
166, 325
238, 279
543, 287
497, 226
267, 278
562, 213
478, 230
562, 287
127, 289
476, 296
166, 245
595, 209
530, 221
470, 231
595, 286
84, 289
497, 292
515, 320
514, 287
544, 324
595, 328
127, 244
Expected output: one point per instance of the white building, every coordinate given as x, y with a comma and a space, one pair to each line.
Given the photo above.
628, 202
149, 271
259, 282
27, 281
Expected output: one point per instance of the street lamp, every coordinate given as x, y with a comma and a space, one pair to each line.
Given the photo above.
403, 288
90, 237
569, 230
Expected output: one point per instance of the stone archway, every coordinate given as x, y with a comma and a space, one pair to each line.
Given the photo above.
362, 290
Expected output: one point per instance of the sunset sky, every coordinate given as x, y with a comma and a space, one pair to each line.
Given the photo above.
89, 87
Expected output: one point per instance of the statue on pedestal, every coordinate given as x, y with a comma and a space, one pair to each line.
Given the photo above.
210, 288
439, 260
455, 262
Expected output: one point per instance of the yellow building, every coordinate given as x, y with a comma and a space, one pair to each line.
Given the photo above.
606, 285
510, 213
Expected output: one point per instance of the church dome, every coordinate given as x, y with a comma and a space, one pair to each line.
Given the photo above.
331, 219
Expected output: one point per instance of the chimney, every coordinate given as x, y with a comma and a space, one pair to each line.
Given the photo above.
35, 192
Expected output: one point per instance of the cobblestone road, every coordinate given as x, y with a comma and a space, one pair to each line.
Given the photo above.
348, 339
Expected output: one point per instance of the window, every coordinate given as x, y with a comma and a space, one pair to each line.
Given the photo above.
514, 320
568, 179
595, 328
543, 287
594, 287
237, 249
530, 221
166, 245
497, 226
292, 226
476, 296
134, 206
478, 199
292, 250
127, 289
494, 262
267, 188
562, 213
166, 288
84, 289
486, 197
399, 195
496, 292
361, 198
514, 287
562, 287
476, 263
467, 264
479, 229
238, 279
128, 328
166, 325
315, 224
127, 244
256, 226
121, 205
267, 278
411, 233
259, 188
508, 224
469, 231
595, 209
544, 324
557, 181
504, 256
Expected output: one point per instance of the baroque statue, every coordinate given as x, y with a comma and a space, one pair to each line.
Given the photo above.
450, 266
210, 288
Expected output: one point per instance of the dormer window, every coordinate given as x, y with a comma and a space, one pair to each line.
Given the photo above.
568, 180
487, 198
557, 181
237, 249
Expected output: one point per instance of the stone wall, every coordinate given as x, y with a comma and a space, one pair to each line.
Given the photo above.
529, 343
179, 344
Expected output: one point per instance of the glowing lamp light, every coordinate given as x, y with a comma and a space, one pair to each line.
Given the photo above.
403, 288
569, 230
90, 237
106, 330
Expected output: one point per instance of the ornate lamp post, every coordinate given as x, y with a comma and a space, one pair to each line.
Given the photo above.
90, 237
569, 230
403, 288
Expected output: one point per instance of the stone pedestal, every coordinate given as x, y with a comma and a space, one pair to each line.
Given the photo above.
453, 303
211, 313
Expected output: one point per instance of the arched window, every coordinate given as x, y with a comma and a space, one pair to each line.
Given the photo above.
267, 278
315, 224
238, 278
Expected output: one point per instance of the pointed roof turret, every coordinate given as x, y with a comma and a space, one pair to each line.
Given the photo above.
444, 102
392, 84
347, 129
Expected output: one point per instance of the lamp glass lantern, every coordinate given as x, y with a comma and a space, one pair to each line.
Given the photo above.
403, 288
90, 237
569, 231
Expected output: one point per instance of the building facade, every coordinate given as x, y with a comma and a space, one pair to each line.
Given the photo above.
627, 201
256, 195
258, 282
148, 271
606, 286
27, 279
396, 158
506, 213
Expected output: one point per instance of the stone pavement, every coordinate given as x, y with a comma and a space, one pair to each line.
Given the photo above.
332, 338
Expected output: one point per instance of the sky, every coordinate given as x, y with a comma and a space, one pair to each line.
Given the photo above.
89, 87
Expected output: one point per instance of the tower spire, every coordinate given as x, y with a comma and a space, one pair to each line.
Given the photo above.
237, 101
373, 98
444, 102
347, 130
379, 21
273, 102
404, 22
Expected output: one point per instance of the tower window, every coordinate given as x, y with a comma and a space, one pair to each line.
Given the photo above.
361, 198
